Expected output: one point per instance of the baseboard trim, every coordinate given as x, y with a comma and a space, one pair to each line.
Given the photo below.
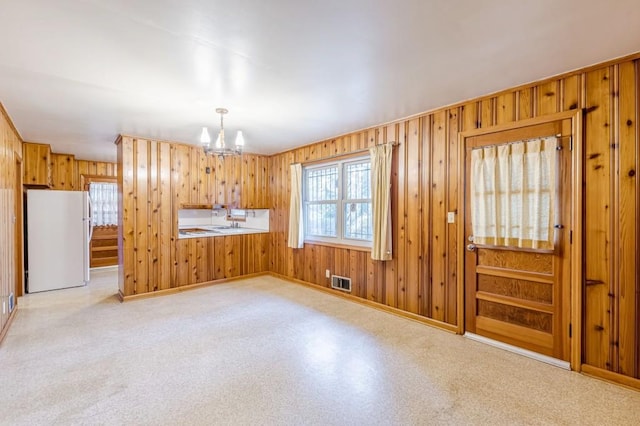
565, 365
104, 268
610, 376
5, 330
395, 311
188, 287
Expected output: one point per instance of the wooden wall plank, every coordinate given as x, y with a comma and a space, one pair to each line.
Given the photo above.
426, 190
597, 321
627, 217
126, 218
401, 216
141, 244
413, 216
505, 108
166, 217
548, 98
571, 93
438, 244
525, 104
487, 112
153, 217
391, 267
451, 293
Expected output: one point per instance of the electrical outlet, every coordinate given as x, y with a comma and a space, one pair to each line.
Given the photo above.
327, 273
451, 217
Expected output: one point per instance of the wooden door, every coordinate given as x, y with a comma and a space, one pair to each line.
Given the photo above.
521, 296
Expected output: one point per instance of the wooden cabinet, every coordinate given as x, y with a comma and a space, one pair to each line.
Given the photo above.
36, 159
63, 172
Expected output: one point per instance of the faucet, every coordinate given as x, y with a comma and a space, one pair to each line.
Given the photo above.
235, 224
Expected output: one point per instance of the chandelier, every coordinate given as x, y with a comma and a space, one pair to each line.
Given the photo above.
220, 148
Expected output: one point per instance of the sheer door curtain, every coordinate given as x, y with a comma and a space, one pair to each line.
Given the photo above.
513, 193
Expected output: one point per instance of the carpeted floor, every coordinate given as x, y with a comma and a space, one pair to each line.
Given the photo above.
265, 351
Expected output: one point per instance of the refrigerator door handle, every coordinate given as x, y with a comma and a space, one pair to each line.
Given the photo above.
90, 217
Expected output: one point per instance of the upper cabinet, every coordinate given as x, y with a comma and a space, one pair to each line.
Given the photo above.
36, 159
63, 172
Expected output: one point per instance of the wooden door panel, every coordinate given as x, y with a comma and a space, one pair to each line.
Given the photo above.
520, 289
513, 334
519, 296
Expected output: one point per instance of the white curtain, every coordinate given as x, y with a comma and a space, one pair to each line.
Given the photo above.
296, 231
104, 198
381, 155
513, 193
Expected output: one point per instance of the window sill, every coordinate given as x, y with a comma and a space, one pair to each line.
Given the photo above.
338, 245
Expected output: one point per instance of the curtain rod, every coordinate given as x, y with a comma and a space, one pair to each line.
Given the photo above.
558, 136
345, 154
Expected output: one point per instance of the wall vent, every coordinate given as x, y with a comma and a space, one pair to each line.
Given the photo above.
341, 283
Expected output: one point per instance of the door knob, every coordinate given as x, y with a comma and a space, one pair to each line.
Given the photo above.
471, 247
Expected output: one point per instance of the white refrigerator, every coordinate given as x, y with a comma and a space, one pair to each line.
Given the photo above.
59, 228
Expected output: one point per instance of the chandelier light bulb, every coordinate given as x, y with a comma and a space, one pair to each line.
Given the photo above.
205, 139
239, 139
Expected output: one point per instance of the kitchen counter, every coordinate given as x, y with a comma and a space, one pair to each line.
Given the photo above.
203, 231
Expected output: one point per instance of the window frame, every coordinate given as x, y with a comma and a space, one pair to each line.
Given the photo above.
340, 203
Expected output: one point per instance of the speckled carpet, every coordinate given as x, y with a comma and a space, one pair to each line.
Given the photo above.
265, 351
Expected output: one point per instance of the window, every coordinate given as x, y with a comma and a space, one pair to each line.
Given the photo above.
104, 198
337, 202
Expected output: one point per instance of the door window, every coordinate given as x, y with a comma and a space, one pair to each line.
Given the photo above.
513, 193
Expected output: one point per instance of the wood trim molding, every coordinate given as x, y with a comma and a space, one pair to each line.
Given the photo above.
576, 255
572, 114
175, 290
86, 180
337, 245
4, 112
610, 376
7, 326
395, 311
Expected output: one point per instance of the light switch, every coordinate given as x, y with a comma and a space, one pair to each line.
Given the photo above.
451, 217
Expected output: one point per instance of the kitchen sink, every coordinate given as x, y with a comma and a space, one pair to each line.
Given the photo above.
196, 231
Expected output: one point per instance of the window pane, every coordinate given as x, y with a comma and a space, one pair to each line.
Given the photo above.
358, 181
321, 184
321, 220
357, 221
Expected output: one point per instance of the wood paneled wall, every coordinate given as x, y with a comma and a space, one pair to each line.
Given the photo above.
155, 179
421, 278
10, 152
66, 171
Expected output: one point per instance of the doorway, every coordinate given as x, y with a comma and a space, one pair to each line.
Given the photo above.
518, 276
103, 245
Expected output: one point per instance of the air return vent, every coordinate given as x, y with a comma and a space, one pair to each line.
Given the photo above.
341, 283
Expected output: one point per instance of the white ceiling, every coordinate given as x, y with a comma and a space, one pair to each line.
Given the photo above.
75, 74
